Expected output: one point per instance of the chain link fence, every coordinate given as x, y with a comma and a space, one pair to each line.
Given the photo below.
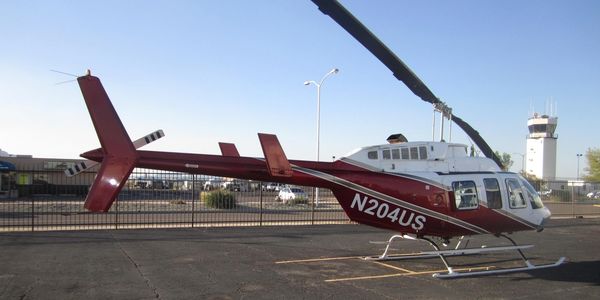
570, 198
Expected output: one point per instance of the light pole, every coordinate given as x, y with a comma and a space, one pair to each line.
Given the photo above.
308, 82
579, 155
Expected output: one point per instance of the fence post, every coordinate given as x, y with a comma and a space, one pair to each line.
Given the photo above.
117, 213
573, 201
32, 213
193, 196
312, 207
260, 191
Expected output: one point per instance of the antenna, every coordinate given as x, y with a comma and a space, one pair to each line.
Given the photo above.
64, 73
532, 109
88, 73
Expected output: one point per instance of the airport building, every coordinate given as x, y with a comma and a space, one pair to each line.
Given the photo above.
541, 147
23, 175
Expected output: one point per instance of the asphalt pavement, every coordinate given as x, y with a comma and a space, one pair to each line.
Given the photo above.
284, 262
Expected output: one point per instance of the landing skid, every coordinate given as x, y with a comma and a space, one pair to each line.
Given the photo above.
442, 254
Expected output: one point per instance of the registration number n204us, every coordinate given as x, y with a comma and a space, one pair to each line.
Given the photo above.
383, 210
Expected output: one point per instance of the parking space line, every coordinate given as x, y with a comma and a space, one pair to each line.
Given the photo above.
393, 267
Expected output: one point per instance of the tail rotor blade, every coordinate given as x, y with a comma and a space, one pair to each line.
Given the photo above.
80, 167
148, 139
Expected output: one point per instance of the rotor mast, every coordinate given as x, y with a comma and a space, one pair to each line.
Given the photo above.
445, 113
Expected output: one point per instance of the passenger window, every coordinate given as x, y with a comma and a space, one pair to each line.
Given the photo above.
386, 154
395, 153
405, 154
372, 154
516, 199
414, 153
422, 152
492, 193
465, 195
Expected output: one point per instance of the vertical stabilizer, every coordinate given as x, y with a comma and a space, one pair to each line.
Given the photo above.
119, 154
277, 163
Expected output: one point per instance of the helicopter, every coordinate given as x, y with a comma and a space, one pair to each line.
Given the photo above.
422, 190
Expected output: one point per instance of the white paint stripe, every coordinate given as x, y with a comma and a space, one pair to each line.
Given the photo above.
390, 199
515, 218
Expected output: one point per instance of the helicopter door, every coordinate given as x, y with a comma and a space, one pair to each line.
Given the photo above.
493, 194
465, 195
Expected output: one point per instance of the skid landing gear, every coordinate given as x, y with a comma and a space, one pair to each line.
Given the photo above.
442, 254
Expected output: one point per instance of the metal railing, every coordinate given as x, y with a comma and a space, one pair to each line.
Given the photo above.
45, 200
566, 199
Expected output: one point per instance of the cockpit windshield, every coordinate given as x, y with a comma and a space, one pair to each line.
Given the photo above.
532, 195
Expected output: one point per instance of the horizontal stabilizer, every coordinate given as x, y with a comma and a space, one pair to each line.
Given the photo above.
277, 162
228, 149
86, 164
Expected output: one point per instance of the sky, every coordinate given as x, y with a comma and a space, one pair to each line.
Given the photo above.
222, 71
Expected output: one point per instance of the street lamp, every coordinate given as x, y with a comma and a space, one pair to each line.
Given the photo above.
579, 155
308, 82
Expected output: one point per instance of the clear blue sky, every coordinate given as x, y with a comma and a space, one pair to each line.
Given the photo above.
210, 71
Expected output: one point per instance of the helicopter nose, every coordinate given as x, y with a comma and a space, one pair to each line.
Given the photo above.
545, 217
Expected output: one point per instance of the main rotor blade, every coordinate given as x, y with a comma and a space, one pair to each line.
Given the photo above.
478, 140
362, 34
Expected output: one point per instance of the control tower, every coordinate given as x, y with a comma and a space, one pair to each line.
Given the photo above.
541, 147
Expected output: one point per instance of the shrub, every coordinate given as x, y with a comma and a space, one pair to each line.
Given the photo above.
297, 200
219, 199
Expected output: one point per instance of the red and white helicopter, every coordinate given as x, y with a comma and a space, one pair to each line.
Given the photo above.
417, 189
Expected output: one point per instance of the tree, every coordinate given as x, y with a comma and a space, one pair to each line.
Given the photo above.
505, 159
593, 169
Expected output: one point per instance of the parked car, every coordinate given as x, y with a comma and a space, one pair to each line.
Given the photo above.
545, 194
273, 187
210, 185
292, 195
594, 195
234, 186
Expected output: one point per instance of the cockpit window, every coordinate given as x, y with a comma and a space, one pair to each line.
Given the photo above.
465, 195
516, 199
532, 195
